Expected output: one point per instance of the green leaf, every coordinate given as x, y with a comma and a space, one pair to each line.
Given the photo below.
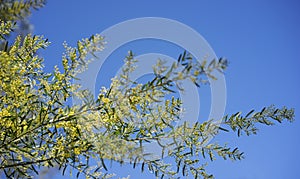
248, 114
223, 129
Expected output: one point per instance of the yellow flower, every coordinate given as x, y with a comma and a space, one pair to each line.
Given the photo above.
105, 100
25, 128
4, 112
60, 111
180, 76
71, 113
77, 151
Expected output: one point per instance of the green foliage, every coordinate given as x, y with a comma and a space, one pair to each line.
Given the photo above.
12, 10
38, 127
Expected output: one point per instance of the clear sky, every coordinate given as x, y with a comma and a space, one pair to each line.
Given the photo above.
260, 38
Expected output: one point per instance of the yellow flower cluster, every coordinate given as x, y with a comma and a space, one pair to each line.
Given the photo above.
4, 113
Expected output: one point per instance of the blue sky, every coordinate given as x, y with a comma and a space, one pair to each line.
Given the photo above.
260, 38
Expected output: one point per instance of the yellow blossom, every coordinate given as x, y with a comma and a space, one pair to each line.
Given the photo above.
4, 113
105, 100
77, 151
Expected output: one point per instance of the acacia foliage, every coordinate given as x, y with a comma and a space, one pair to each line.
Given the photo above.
39, 127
